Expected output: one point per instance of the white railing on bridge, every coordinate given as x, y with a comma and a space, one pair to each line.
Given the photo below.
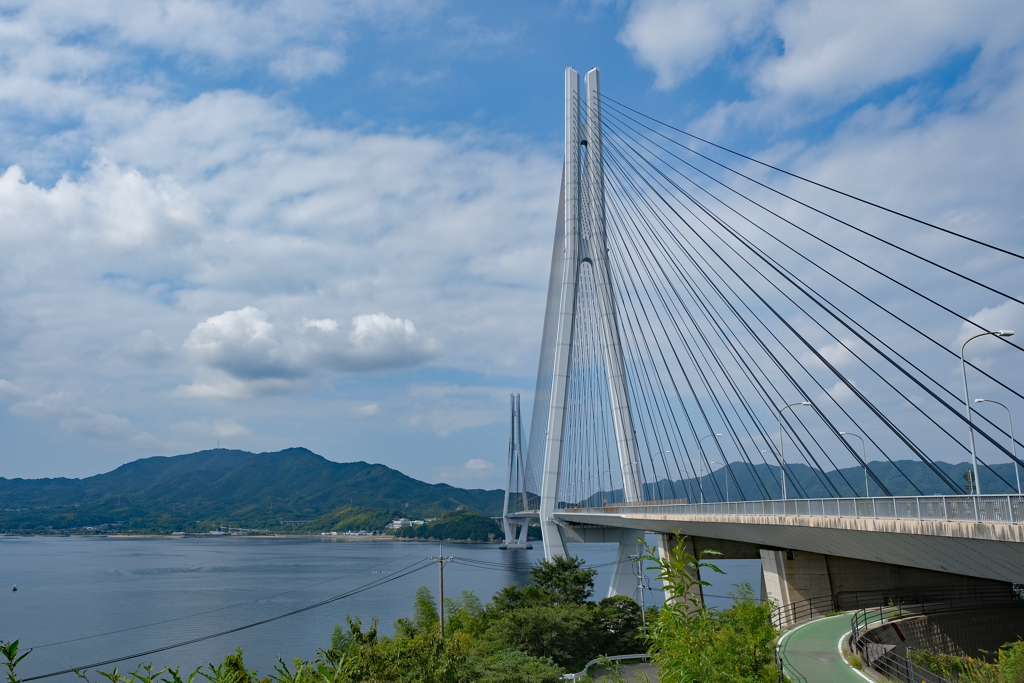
999, 509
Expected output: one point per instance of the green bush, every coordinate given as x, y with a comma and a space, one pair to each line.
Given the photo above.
692, 642
1011, 662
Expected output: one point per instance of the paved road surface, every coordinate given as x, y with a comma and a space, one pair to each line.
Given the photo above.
810, 653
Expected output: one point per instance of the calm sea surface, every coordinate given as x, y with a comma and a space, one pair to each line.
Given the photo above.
87, 599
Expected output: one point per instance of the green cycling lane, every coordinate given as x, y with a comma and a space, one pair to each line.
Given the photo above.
810, 653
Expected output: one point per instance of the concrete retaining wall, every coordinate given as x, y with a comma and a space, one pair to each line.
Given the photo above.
964, 634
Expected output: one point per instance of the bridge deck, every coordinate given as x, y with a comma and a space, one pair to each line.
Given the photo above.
985, 549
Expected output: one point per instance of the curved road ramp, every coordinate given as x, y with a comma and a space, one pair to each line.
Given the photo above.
941, 622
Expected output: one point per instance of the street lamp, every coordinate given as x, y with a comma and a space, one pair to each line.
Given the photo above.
863, 460
715, 462
1013, 444
700, 460
667, 475
782, 453
967, 402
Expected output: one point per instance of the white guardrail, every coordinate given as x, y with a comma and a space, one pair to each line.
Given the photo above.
999, 509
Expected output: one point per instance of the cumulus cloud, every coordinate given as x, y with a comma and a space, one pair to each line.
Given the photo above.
679, 38
113, 209
844, 51
247, 348
828, 52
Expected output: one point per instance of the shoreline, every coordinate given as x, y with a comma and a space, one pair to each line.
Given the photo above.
307, 537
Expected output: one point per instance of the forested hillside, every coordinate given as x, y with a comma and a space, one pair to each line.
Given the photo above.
199, 491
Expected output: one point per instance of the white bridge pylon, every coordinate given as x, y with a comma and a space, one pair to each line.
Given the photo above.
583, 197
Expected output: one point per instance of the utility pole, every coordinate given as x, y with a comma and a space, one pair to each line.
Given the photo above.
638, 561
441, 559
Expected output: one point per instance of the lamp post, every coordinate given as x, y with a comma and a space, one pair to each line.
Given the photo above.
700, 461
715, 462
1013, 443
667, 475
967, 401
863, 460
782, 453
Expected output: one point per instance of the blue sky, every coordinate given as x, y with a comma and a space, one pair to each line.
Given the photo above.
328, 224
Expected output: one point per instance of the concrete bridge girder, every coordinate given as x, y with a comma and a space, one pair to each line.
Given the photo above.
983, 550
804, 558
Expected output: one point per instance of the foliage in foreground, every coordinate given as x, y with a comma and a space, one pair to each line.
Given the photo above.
692, 642
1008, 667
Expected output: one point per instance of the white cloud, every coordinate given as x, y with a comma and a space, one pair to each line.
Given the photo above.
11, 389
325, 325
302, 63
368, 410
990, 352
479, 465
829, 52
842, 51
82, 421
679, 38
476, 472
251, 356
223, 428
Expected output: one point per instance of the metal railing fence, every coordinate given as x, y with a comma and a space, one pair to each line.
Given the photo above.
1005, 509
787, 616
949, 600
925, 602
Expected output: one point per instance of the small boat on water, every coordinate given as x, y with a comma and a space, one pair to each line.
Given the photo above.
15, 587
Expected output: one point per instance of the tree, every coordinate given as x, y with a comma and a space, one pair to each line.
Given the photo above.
621, 622
569, 635
512, 666
566, 578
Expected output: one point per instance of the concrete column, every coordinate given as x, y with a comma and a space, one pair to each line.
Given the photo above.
791, 576
624, 580
553, 544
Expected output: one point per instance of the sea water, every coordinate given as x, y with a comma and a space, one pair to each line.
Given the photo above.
82, 600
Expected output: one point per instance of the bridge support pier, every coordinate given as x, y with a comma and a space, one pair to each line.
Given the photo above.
789, 576
624, 580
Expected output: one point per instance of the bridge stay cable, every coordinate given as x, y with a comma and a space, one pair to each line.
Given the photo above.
815, 469
821, 185
725, 225
691, 296
670, 286
817, 266
853, 453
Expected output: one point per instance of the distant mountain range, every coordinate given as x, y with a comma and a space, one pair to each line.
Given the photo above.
296, 490
804, 482
199, 491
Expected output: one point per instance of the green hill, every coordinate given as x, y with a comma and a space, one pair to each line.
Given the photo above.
201, 490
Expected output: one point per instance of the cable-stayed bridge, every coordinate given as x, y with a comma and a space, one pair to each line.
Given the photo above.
775, 367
